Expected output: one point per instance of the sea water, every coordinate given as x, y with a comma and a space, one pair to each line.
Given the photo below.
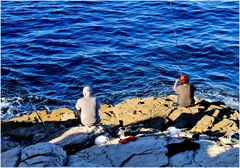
122, 49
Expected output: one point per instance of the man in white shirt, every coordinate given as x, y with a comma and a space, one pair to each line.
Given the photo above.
88, 107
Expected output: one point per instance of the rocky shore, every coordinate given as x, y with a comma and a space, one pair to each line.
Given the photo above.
56, 139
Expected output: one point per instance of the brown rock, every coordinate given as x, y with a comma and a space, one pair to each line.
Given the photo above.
205, 123
225, 126
61, 114
216, 113
154, 112
234, 116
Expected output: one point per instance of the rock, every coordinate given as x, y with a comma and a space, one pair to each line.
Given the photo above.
33, 117
211, 155
11, 158
39, 136
182, 159
7, 143
159, 113
216, 113
225, 126
35, 133
176, 113
230, 158
205, 123
77, 138
43, 155
234, 116
184, 120
131, 111
60, 129
163, 110
146, 151
75, 161
61, 114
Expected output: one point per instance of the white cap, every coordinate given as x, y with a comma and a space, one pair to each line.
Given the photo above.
87, 91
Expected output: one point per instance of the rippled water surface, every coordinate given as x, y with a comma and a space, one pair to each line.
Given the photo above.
50, 50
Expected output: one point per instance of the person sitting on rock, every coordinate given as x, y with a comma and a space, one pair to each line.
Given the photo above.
88, 108
185, 91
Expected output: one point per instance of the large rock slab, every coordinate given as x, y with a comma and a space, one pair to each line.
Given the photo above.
61, 114
144, 152
11, 158
7, 143
159, 113
77, 138
183, 159
209, 155
150, 152
212, 155
43, 155
75, 161
163, 112
226, 126
136, 110
33, 132
205, 123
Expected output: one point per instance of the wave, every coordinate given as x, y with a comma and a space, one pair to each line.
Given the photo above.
122, 49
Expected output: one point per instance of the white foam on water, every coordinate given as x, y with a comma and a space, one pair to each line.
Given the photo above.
4, 103
229, 100
8, 105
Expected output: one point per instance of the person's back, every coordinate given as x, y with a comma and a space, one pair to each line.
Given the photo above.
185, 92
89, 108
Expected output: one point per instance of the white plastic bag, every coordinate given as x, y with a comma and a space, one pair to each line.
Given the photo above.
101, 140
174, 132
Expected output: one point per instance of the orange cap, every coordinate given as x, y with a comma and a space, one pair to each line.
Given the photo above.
183, 79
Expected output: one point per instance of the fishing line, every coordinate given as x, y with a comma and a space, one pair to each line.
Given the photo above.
175, 36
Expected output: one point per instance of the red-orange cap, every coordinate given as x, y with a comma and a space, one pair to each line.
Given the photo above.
183, 79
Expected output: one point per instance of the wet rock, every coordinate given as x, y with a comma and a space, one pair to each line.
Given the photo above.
43, 155
77, 138
146, 151
11, 158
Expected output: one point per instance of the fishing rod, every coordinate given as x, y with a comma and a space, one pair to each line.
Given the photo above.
175, 36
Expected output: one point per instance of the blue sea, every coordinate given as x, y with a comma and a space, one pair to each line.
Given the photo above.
50, 50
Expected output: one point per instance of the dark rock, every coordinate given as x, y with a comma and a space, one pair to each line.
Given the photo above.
7, 143
11, 158
43, 155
